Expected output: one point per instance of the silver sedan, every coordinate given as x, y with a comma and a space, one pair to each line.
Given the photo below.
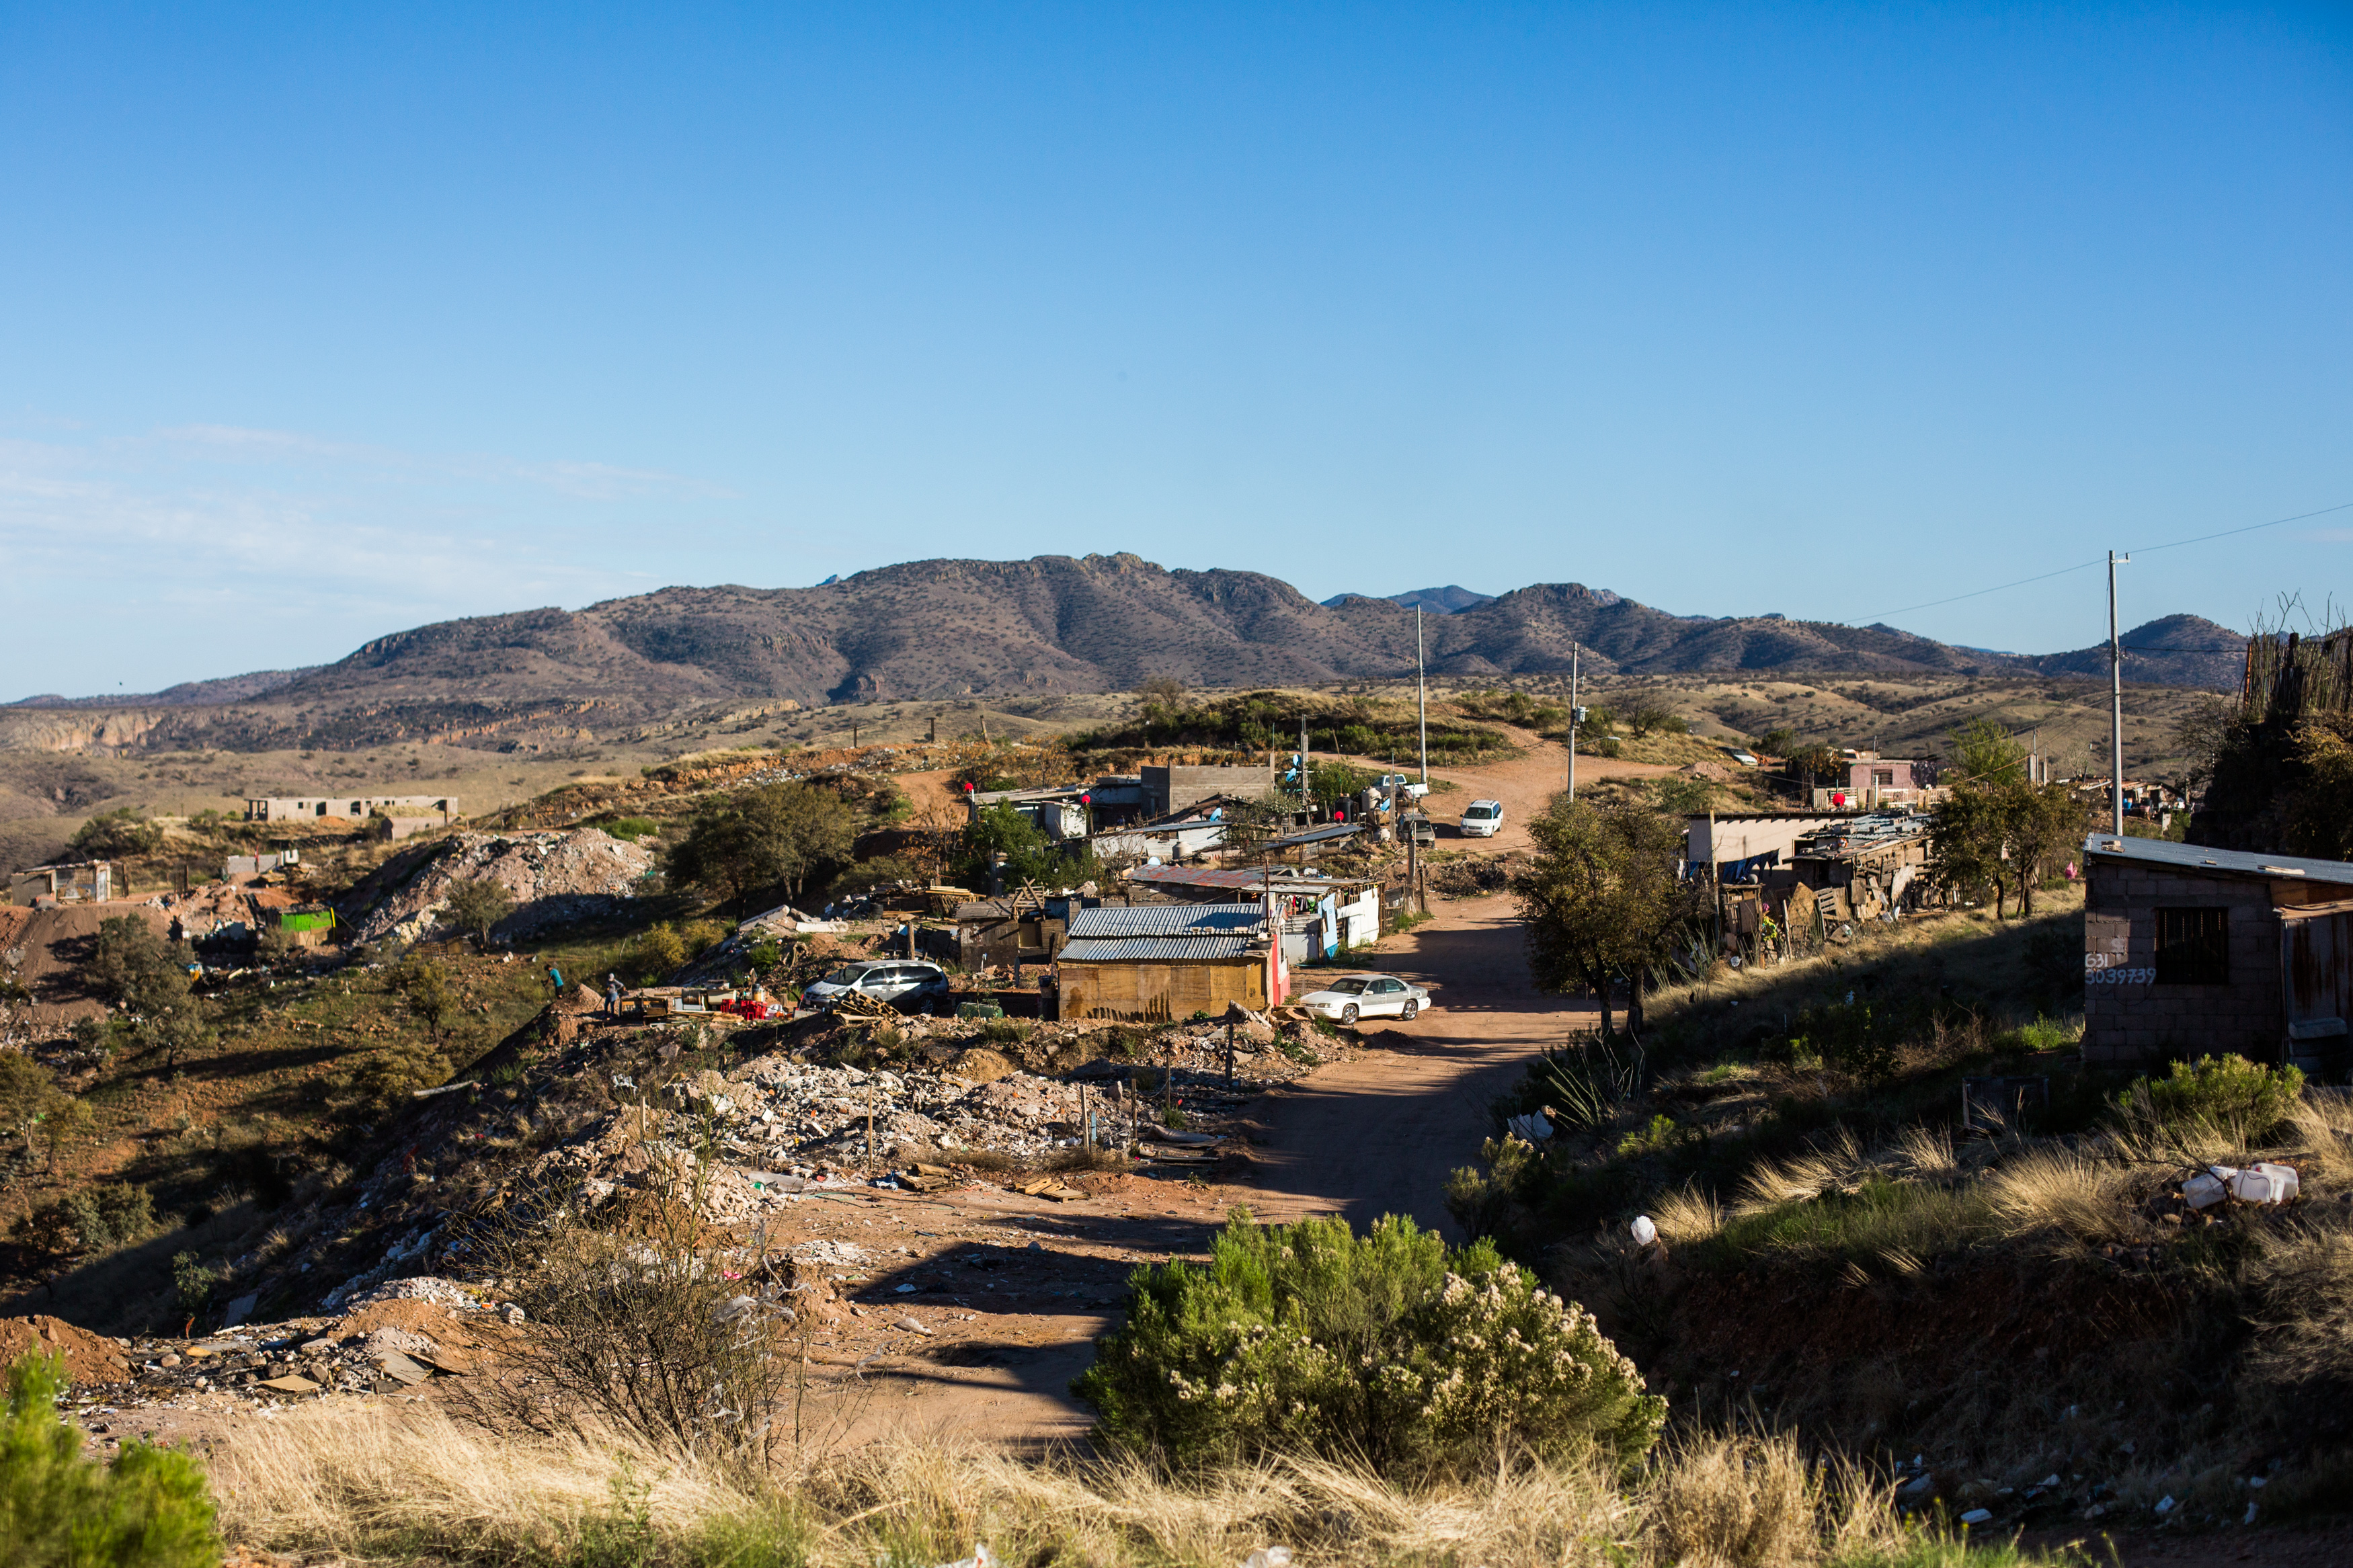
1366, 996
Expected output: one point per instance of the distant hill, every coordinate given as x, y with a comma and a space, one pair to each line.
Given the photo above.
187, 694
2173, 651
1435, 601
930, 630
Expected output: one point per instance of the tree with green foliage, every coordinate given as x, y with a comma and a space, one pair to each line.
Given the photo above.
1028, 853
1385, 1349
112, 835
1995, 828
425, 986
1809, 765
149, 1508
778, 835
477, 906
135, 969
1648, 716
27, 1093
1603, 899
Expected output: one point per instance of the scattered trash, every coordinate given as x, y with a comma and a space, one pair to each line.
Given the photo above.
2265, 1182
1976, 1516
913, 1325
1918, 1488
1645, 1231
982, 1557
908, 1289
2166, 1503
1269, 1557
1530, 1129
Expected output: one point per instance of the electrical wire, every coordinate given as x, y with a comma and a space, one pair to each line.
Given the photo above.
2138, 550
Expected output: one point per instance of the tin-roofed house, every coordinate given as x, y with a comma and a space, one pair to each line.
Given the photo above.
2190, 950
1156, 962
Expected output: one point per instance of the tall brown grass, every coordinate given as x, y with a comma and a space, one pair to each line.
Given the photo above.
360, 1482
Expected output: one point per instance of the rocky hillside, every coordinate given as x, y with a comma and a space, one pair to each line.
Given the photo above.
931, 630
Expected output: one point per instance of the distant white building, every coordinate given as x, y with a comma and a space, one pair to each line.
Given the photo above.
311, 808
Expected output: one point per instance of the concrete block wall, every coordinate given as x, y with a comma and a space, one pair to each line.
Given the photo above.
2140, 1025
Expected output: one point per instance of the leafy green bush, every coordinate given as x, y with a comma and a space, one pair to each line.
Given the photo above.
110, 1216
113, 834
149, 1509
1848, 1035
1385, 1348
2218, 1090
657, 954
631, 829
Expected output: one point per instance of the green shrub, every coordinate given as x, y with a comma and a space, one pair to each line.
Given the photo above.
1384, 1348
110, 1216
657, 954
631, 829
148, 1510
2219, 1090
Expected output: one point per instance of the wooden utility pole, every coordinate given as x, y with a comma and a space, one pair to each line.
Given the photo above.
1575, 649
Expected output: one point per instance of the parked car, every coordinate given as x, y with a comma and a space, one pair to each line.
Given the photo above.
1482, 819
1404, 786
908, 985
1366, 996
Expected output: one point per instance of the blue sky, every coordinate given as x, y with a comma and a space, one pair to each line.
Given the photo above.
323, 322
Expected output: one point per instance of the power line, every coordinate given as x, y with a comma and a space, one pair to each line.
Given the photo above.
2228, 533
2140, 550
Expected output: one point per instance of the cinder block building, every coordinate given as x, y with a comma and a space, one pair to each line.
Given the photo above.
2189, 951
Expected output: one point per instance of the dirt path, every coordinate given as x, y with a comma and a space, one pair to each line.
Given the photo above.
1363, 1137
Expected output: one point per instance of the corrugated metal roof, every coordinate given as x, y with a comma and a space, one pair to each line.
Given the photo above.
1283, 880
1324, 834
1154, 949
2198, 858
1167, 921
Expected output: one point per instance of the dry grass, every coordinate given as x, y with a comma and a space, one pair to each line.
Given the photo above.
1803, 1176
2051, 1189
1687, 1214
375, 1482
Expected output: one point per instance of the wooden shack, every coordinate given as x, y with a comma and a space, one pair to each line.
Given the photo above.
1159, 963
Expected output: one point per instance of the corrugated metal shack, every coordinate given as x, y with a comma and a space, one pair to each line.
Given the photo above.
1155, 963
83, 882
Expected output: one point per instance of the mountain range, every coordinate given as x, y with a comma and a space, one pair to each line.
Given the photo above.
931, 630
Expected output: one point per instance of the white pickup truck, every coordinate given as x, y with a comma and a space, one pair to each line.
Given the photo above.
1402, 787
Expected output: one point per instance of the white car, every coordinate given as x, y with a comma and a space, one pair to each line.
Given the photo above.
1482, 819
1403, 786
1366, 996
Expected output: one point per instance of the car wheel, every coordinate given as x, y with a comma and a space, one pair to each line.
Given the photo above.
1348, 1013
1409, 1010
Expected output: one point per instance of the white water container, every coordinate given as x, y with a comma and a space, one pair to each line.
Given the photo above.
2265, 1183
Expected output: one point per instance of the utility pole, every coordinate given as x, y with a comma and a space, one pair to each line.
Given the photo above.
2116, 707
1575, 649
1421, 693
1305, 805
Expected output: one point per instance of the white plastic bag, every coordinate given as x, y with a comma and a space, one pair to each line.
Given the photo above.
1269, 1557
1645, 1232
1532, 1128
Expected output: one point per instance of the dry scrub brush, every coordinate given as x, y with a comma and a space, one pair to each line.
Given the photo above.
375, 1481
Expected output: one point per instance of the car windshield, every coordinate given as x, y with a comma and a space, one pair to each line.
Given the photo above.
1481, 811
847, 974
1347, 987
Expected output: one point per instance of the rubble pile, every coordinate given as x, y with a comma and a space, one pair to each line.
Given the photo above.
556, 877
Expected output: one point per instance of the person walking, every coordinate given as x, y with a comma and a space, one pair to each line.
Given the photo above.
612, 995
555, 979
